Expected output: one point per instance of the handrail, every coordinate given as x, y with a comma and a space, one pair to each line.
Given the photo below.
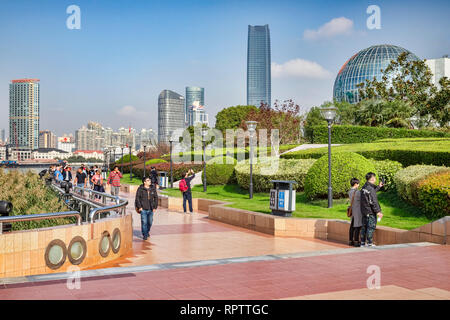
41, 216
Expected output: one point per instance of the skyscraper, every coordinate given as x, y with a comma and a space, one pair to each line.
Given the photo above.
258, 66
171, 110
440, 68
47, 139
193, 94
24, 113
197, 114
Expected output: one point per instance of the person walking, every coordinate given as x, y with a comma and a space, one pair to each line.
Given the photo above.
185, 188
80, 179
58, 175
114, 181
370, 209
146, 205
154, 176
67, 174
356, 217
97, 181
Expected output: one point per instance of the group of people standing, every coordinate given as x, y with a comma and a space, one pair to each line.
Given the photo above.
365, 211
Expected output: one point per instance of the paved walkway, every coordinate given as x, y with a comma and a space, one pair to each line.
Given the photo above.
191, 257
309, 146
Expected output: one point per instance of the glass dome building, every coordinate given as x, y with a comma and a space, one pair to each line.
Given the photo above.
365, 64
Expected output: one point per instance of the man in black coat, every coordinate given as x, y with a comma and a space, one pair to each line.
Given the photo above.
370, 209
146, 202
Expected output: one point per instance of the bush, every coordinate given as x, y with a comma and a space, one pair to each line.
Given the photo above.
179, 170
219, 172
406, 180
434, 195
30, 195
344, 167
287, 170
387, 169
126, 158
355, 134
153, 161
432, 151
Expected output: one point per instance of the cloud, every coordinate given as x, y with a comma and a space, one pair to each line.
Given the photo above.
131, 112
300, 68
335, 27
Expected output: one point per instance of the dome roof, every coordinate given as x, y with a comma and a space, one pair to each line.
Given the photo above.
365, 64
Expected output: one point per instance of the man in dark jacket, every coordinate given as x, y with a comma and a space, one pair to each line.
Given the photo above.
146, 202
154, 176
370, 209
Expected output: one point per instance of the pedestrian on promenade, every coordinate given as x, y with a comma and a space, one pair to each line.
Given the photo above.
154, 176
91, 173
97, 181
80, 179
67, 174
114, 181
370, 209
185, 188
355, 211
146, 202
58, 175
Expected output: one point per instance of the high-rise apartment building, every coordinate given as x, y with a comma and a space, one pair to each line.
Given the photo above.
171, 114
24, 113
440, 68
197, 114
258, 66
3, 135
193, 94
47, 139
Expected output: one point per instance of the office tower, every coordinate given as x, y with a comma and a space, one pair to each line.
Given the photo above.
258, 66
24, 113
440, 68
47, 139
197, 115
2, 135
171, 110
193, 94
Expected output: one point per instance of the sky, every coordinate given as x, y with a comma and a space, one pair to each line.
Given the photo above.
125, 53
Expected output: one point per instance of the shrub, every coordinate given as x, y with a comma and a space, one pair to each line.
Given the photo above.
344, 167
219, 172
354, 134
432, 151
154, 161
387, 169
126, 158
179, 170
434, 195
287, 170
30, 195
406, 180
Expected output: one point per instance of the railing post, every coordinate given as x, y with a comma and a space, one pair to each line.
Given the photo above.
1, 227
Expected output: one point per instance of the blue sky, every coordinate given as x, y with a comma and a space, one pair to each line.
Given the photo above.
126, 52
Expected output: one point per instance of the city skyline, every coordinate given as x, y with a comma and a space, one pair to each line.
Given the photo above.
106, 72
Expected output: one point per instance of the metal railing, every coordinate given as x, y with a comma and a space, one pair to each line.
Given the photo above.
40, 216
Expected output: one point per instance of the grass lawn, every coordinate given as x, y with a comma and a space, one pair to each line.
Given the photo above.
126, 180
397, 213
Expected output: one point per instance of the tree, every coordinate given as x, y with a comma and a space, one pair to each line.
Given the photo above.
231, 117
284, 116
409, 82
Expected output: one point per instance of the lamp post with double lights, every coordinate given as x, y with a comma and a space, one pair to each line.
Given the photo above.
329, 113
251, 126
131, 165
204, 134
144, 159
171, 173
121, 168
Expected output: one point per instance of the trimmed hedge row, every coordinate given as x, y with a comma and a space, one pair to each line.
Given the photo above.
386, 170
262, 174
407, 180
434, 194
354, 134
220, 171
345, 166
434, 151
179, 170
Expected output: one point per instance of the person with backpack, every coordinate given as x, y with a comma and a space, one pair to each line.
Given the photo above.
185, 188
370, 209
146, 202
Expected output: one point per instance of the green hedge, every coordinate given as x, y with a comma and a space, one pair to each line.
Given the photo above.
287, 170
354, 134
387, 169
153, 161
406, 180
126, 158
434, 195
431, 151
345, 166
220, 171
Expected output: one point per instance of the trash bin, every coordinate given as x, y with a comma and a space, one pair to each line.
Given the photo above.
163, 179
282, 198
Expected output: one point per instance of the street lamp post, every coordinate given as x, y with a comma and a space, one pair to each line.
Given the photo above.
131, 166
121, 168
204, 133
329, 113
251, 125
144, 160
171, 173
